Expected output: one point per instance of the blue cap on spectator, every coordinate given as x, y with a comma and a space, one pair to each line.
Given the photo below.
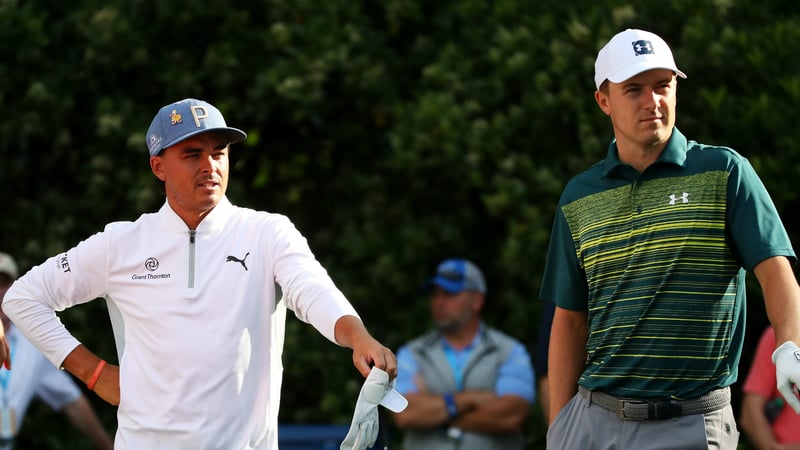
456, 275
184, 119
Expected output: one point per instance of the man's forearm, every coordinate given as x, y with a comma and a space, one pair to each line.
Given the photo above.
781, 297
349, 330
103, 378
504, 414
478, 411
81, 363
566, 357
424, 411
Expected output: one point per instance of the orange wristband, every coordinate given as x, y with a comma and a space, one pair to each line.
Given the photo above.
96, 375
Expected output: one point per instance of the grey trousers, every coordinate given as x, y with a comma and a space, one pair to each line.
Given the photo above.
583, 426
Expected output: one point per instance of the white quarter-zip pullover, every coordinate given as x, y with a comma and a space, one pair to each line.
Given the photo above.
198, 330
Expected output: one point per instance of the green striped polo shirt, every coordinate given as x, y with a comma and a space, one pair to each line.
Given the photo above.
657, 260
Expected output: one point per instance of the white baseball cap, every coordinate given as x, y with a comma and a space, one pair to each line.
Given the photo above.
630, 53
7, 265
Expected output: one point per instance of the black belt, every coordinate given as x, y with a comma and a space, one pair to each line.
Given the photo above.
657, 409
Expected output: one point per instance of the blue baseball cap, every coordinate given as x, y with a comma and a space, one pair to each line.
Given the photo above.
456, 275
184, 119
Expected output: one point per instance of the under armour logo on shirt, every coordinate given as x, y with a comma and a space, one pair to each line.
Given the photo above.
684, 198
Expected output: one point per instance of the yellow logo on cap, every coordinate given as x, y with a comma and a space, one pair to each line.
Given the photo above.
175, 117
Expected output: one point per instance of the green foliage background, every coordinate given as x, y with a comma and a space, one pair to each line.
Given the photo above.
394, 133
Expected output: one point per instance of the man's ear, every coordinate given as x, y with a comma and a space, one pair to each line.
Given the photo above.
478, 301
602, 101
157, 166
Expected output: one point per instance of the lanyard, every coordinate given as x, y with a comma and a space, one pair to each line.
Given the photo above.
455, 365
457, 359
5, 374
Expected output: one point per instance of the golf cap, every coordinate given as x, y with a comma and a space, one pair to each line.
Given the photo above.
8, 266
456, 275
630, 53
184, 119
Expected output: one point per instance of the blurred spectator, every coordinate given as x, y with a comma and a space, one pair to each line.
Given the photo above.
766, 419
469, 386
32, 375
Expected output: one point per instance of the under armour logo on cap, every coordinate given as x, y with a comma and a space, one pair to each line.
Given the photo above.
643, 47
616, 62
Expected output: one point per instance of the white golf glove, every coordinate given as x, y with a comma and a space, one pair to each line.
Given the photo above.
787, 371
377, 390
